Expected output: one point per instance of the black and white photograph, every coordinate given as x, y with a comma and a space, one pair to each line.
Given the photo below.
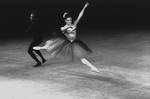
75, 49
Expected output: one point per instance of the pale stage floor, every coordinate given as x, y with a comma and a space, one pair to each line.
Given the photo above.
123, 60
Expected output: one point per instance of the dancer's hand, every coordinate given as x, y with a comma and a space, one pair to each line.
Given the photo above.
86, 5
26, 33
66, 27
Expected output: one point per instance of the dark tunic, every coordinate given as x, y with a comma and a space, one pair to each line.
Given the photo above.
36, 30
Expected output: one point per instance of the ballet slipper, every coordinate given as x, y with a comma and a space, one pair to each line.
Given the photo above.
37, 65
94, 69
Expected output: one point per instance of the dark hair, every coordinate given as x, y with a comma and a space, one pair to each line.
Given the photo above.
66, 15
35, 14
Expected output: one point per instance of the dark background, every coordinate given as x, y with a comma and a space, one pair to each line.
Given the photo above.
100, 15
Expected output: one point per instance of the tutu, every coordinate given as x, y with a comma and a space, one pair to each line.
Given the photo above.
61, 47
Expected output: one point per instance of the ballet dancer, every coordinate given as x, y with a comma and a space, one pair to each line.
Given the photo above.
68, 46
35, 29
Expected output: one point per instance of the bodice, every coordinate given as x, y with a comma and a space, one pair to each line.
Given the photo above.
70, 33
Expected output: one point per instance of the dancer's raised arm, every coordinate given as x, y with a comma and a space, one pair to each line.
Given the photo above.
81, 14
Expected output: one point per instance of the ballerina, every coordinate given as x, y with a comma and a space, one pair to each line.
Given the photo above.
68, 46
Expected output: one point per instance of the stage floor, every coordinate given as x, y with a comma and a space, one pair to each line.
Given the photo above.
123, 60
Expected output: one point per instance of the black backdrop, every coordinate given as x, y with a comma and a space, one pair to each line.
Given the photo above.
14, 14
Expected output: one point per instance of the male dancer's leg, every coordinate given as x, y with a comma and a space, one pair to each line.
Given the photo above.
37, 42
39, 53
30, 51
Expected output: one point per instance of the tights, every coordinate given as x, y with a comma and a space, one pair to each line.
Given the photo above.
35, 42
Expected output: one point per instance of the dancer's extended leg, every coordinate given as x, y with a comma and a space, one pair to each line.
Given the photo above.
86, 62
40, 47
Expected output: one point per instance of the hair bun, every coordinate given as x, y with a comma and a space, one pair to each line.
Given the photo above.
64, 15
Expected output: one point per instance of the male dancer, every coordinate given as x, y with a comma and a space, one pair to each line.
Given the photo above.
35, 28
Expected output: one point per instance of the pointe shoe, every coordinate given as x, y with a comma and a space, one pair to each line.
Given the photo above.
95, 70
37, 48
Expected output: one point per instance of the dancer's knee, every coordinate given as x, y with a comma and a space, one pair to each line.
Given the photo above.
30, 51
83, 60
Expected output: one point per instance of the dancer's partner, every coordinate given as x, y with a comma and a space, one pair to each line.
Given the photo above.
35, 29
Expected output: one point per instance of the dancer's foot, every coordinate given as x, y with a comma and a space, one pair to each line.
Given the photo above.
43, 61
36, 48
37, 65
94, 69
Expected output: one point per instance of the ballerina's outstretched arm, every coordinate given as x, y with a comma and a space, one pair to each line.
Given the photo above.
80, 14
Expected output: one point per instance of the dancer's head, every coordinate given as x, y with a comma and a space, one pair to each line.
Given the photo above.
67, 18
33, 16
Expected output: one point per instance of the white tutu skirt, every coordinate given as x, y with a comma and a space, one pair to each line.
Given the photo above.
61, 47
